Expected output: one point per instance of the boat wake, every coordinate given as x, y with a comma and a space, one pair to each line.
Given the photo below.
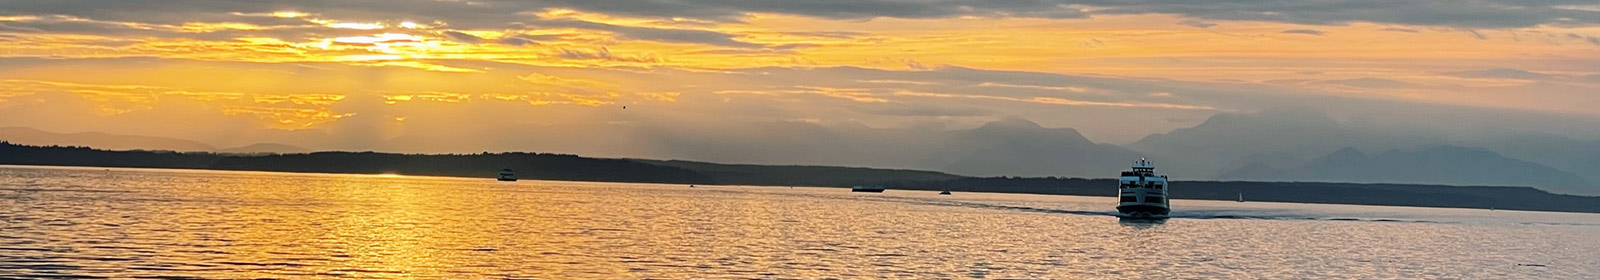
1197, 215
1182, 214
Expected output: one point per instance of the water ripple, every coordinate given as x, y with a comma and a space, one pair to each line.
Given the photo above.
146, 224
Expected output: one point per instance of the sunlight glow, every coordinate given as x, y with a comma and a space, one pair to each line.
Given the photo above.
563, 56
289, 14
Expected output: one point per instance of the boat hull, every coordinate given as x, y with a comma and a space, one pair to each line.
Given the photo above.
1143, 211
507, 179
867, 190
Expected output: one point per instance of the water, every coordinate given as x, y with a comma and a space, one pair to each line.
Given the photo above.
129, 223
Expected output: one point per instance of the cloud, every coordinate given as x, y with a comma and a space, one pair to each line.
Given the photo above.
1477, 35
473, 107
1303, 31
1197, 23
1397, 29
489, 14
1057, 101
524, 39
1074, 89
459, 36
1460, 14
828, 34
602, 53
1499, 73
653, 34
1367, 83
1541, 81
926, 110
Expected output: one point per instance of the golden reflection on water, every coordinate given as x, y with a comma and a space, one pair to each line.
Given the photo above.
239, 225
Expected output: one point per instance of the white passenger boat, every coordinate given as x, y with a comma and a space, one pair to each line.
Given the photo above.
1143, 193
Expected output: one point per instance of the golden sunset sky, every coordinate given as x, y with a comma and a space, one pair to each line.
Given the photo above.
352, 74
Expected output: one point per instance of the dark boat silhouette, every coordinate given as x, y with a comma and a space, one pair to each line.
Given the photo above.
863, 188
506, 175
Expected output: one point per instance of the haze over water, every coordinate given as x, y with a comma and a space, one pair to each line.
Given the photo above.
127, 223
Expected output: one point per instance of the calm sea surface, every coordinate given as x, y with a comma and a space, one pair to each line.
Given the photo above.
131, 223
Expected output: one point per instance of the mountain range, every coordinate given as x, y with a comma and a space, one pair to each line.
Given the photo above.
32, 136
1312, 147
1281, 145
484, 166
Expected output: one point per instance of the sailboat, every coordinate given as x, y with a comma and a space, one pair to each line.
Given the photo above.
1241, 196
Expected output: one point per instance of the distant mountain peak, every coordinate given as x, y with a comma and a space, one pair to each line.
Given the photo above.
1346, 153
1231, 125
1018, 129
1013, 121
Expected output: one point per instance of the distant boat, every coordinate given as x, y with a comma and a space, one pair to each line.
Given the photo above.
1241, 196
875, 189
1143, 193
507, 175
945, 192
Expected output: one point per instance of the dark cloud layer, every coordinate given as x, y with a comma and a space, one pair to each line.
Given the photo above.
498, 13
654, 34
1303, 31
1465, 14
462, 37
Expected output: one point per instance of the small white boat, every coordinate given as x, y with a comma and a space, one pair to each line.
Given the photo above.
1241, 197
507, 175
864, 188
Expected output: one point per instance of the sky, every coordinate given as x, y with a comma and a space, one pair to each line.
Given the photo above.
355, 74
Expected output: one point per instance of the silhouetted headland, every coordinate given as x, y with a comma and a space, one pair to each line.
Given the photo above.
544, 166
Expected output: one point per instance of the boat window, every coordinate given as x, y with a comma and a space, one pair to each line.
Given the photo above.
1158, 186
1152, 199
1130, 199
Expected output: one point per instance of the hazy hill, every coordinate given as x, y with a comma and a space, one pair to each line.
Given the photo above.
576, 168
265, 148
1018, 147
1432, 165
528, 165
747, 174
484, 165
1006, 147
1310, 146
1579, 157
1224, 140
31, 136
